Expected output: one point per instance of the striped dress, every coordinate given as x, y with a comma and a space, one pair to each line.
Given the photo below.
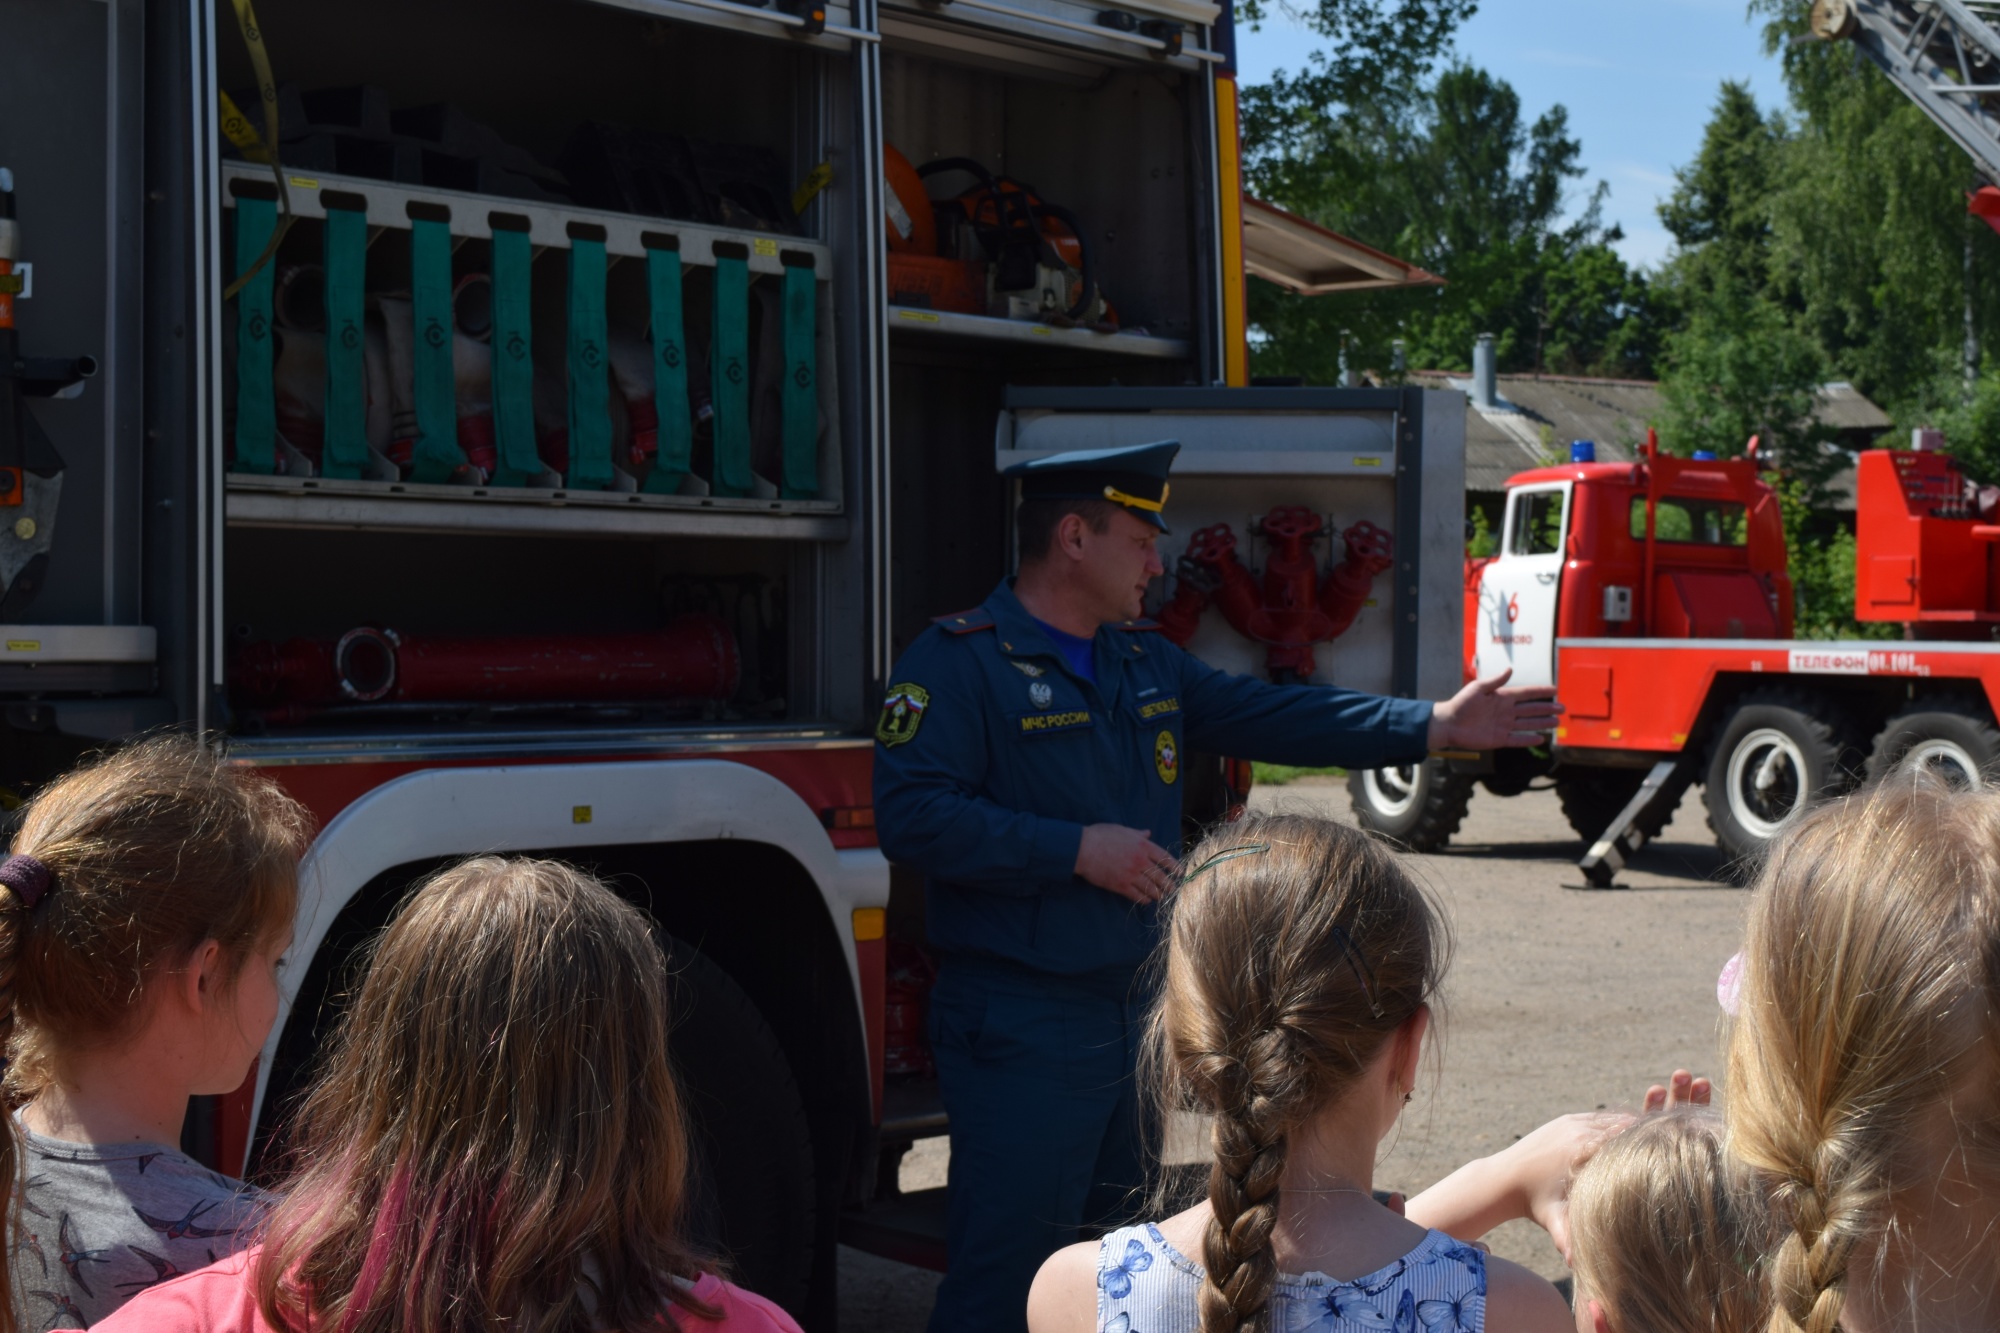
1145, 1285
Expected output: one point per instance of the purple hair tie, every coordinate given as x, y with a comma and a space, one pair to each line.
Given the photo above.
28, 876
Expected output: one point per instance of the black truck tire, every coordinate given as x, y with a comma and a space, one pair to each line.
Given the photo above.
1777, 754
751, 1185
1955, 739
1593, 797
1418, 806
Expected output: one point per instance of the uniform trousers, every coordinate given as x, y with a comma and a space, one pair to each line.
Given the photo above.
1047, 1144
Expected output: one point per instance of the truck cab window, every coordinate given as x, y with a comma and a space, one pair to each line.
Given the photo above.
1537, 524
1701, 522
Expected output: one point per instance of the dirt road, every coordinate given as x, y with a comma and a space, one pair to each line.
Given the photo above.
1558, 999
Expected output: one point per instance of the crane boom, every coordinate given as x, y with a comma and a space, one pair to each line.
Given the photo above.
1943, 54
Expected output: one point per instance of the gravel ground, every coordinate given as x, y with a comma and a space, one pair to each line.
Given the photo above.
1559, 999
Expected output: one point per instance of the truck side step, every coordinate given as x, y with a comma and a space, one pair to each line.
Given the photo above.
908, 1228
1607, 856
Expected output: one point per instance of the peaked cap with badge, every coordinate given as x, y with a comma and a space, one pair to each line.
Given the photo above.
1134, 477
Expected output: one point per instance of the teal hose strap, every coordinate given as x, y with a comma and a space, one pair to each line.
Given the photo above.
437, 455
513, 354
345, 452
801, 382
589, 371
256, 357
670, 386
729, 369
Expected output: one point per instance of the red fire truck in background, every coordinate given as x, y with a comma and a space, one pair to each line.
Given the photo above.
1654, 595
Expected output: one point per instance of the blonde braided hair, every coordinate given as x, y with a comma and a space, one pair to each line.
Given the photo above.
1298, 948
1869, 983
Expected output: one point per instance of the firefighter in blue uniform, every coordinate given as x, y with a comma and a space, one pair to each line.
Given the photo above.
1028, 761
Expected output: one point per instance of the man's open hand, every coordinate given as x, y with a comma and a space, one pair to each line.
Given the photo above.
1491, 715
1125, 861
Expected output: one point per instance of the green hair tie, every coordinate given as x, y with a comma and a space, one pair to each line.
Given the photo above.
1249, 849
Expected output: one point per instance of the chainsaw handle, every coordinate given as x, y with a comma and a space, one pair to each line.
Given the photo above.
966, 164
1088, 287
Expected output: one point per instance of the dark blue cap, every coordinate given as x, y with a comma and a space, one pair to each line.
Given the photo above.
1134, 477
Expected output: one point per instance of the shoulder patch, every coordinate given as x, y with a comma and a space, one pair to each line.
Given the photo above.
902, 713
964, 622
1140, 626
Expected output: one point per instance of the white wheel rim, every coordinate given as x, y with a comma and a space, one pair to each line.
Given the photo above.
1767, 782
1392, 791
1946, 759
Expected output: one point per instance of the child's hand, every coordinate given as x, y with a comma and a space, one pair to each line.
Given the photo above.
1683, 1089
1528, 1179
1545, 1162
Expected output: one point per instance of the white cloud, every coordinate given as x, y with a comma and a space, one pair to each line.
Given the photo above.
1642, 173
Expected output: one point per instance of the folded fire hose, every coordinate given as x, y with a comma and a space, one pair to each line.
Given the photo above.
429, 441
519, 461
675, 448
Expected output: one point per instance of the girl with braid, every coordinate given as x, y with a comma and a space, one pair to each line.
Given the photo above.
144, 916
1864, 1065
1298, 976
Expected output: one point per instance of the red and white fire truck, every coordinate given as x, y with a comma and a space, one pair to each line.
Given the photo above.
1654, 595
544, 436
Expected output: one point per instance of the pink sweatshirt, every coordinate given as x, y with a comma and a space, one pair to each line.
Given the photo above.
219, 1299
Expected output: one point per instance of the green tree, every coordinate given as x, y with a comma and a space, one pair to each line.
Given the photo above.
1720, 211
1374, 51
1453, 179
1740, 368
1821, 560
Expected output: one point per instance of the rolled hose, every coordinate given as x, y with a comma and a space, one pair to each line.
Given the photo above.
694, 659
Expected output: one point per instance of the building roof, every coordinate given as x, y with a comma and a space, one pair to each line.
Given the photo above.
1306, 258
1842, 407
1540, 415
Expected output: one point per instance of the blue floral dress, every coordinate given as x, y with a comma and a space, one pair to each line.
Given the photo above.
1145, 1285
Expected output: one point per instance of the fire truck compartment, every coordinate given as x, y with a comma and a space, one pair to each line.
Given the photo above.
339, 630
518, 287
1345, 461
1137, 187
1930, 545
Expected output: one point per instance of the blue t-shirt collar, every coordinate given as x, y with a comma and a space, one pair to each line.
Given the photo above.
1081, 654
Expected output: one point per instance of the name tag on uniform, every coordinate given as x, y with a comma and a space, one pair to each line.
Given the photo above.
1159, 708
1040, 724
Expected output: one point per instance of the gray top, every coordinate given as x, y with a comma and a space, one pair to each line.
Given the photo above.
101, 1222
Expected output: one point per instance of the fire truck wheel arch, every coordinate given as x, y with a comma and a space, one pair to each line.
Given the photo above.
443, 813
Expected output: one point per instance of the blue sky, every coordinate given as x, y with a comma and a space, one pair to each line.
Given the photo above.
1639, 78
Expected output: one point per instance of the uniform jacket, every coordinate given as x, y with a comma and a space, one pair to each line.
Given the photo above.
991, 756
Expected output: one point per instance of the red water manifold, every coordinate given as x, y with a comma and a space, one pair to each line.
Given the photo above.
1294, 609
693, 660
906, 1042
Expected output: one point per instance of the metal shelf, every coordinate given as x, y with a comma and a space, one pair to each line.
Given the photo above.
755, 20
950, 325
991, 27
317, 502
548, 224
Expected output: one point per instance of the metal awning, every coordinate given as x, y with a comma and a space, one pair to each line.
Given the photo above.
1306, 258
